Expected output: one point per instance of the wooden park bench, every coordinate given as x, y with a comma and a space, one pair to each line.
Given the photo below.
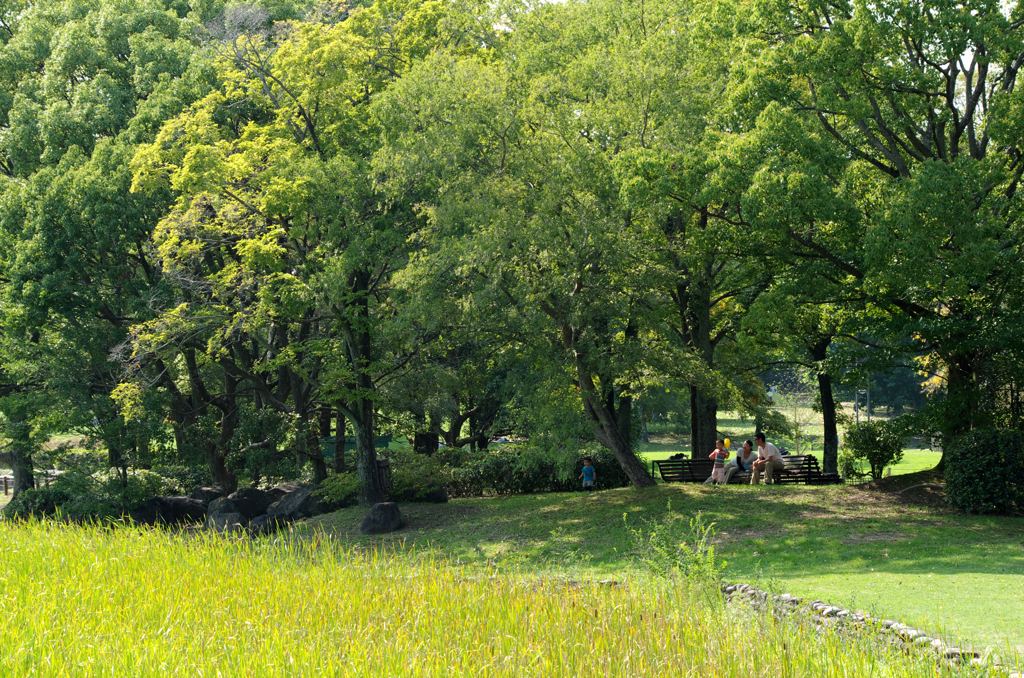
800, 468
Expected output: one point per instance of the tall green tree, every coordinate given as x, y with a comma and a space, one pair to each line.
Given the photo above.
282, 248
888, 149
81, 83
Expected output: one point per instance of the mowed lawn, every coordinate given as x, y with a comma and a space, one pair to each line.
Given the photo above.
958, 575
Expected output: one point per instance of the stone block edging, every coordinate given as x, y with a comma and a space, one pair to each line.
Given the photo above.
824, 614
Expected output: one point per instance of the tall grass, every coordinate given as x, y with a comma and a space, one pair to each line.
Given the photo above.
92, 601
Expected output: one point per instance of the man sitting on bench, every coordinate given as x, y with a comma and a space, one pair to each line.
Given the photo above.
768, 460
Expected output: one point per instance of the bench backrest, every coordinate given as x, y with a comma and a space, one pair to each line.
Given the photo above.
801, 462
685, 469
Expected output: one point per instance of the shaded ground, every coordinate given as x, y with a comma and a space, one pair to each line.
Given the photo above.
868, 546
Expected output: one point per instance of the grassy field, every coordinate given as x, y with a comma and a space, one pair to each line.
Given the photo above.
90, 601
849, 545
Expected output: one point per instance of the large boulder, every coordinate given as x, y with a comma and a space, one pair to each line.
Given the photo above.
221, 505
170, 511
279, 491
226, 522
207, 494
250, 502
261, 499
300, 504
383, 517
267, 524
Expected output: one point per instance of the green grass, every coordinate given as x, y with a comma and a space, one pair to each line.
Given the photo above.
91, 601
849, 545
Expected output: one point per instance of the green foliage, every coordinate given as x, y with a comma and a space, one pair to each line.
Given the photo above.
414, 475
83, 493
879, 443
340, 489
517, 469
984, 469
849, 465
672, 546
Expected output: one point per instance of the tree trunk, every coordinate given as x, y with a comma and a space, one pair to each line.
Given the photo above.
705, 414
339, 445
830, 455
608, 432
366, 455
315, 454
21, 453
625, 421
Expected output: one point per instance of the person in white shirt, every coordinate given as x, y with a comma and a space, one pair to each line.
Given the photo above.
768, 460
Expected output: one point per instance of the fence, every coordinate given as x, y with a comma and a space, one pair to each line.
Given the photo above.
42, 478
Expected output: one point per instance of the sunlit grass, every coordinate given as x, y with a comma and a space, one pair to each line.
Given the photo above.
89, 601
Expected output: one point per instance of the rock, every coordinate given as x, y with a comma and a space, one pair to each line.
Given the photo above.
960, 654
267, 524
888, 623
260, 499
247, 507
221, 505
922, 640
206, 494
279, 491
170, 511
226, 522
730, 589
300, 504
383, 517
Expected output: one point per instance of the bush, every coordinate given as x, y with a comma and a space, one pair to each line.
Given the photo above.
341, 489
849, 466
79, 494
985, 471
514, 469
880, 443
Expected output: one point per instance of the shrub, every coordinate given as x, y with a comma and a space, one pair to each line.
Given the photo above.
77, 494
514, 469
417, 476
341, 489
983, 471
880, 443
849, 466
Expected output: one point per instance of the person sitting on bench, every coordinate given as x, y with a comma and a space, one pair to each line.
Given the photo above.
768, 460
742, 462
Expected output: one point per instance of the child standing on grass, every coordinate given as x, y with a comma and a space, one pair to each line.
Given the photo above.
588, 474
719, 455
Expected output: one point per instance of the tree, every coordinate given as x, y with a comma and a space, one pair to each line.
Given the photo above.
80, 85
280, 244
888, 148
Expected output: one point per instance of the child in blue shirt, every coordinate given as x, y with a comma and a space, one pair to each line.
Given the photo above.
588, 474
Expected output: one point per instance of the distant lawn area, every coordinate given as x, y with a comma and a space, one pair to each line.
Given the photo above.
959, 575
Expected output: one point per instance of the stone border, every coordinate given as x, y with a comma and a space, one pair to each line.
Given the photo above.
823, 614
